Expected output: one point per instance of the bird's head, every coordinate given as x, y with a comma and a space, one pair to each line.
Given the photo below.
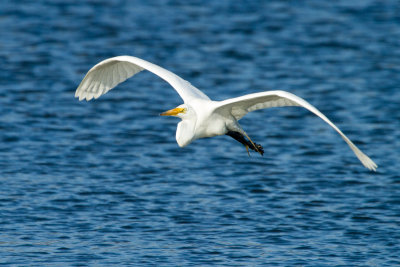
180, 111
185, 129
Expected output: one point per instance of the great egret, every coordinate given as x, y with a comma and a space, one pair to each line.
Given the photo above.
201, 117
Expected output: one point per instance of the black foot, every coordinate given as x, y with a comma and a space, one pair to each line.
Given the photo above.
247, 143
259, 149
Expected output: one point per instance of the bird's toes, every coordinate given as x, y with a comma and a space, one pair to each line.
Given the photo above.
259, 149
247, 149
256, 147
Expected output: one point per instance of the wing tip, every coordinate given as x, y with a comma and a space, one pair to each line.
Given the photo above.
367, 162
371, 165
82, 95
87, 96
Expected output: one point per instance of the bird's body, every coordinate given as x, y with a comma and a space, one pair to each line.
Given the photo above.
201, 116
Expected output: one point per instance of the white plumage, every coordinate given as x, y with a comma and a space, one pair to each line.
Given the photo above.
201, 117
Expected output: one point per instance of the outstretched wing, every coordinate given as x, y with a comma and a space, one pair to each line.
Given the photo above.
110, 72
240, 106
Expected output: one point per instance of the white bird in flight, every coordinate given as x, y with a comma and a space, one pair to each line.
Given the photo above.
201, 117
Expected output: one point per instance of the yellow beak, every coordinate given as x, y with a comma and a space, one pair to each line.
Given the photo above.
173, 112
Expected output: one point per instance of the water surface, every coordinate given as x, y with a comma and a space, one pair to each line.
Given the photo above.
104, 183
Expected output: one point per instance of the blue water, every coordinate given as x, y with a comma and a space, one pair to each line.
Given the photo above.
104, 183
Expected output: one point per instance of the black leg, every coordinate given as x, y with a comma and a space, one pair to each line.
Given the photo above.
241, 139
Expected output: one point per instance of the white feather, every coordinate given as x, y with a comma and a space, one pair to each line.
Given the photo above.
110, 72
202, 117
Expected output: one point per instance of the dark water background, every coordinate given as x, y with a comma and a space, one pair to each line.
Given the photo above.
104, 183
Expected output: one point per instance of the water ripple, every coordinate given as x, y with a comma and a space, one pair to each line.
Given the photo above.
104, 183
